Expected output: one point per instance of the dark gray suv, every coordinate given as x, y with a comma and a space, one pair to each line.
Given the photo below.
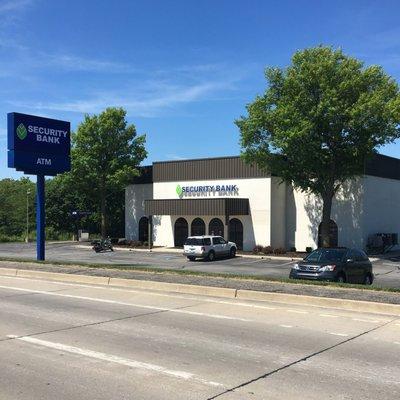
335, 264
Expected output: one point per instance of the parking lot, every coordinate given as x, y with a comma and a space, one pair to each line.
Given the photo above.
387, 270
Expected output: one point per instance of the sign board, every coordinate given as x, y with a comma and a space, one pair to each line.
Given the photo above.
38, 145
207, 190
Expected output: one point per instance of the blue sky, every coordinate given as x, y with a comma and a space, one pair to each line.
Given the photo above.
184, 70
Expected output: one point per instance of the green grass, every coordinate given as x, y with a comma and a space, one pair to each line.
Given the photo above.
156, 270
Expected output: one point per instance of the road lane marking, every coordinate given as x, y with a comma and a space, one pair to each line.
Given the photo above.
174, 310
115, 359
297, 311
365, 320
286, 326
184, 297
396, 342
338, 334
328, 315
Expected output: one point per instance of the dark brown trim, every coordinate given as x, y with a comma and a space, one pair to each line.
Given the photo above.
383, 167
205, 169
199, 207
235, 168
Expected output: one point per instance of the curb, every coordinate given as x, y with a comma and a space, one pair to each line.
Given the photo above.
345, 304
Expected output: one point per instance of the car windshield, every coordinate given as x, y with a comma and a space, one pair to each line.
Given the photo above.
326, 255
194, 242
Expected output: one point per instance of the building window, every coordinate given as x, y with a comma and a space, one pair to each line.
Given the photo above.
236, 232
198, 227
143, 229
216, 227
181, 232
333, 234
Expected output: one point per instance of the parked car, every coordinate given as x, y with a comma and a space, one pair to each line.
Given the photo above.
335, 264
208, 247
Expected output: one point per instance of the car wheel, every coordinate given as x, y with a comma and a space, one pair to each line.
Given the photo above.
341, 279
233, 252
211, 256
368, 280
191, 258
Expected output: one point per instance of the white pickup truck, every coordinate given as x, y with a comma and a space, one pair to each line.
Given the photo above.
208, 247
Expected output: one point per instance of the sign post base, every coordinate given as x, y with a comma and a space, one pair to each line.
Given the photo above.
40, 217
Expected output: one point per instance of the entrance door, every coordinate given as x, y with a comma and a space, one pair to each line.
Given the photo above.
181, 232
236, 232
143, 229
216, 227
198, 227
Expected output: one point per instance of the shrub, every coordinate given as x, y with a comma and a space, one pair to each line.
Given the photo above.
293, 249
268, 250
309, 249
279, 250
135, 243
257, 249
11, 238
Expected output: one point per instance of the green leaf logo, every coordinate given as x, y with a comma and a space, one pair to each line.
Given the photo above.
179, 190
21, 131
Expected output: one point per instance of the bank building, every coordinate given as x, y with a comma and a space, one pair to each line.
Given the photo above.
172, 200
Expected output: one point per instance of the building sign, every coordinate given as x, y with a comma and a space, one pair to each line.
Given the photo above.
37, 145
207, 190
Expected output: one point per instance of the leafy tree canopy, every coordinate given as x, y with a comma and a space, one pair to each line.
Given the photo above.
105, 155
319, 119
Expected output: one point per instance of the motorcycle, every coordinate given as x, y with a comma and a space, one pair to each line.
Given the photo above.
102, 245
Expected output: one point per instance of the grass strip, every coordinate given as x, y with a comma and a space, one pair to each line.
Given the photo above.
157, 270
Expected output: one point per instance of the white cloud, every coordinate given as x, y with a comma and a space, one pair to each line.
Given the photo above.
149, 102
75, 63
14, 5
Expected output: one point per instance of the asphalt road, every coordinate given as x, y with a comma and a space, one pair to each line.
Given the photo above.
387, 272
70, 341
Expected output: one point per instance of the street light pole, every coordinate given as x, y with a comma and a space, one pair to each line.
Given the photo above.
27, 215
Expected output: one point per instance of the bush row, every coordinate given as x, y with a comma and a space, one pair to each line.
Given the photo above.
132, 243
258, 249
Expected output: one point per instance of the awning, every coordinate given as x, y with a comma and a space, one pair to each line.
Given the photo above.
221, 206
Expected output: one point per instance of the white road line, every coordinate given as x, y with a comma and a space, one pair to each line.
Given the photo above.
397, 324
338, 334
328, 315
286, 326
217, 316
143, 292
116, 359
365, 320
396, 342
297, 311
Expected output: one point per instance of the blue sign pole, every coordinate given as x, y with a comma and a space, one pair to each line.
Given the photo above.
40, 217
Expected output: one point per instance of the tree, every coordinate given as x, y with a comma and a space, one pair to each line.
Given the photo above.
105, 154
14, 195
319, 120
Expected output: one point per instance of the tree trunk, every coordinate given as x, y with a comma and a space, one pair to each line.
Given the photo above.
326, 218
103, 214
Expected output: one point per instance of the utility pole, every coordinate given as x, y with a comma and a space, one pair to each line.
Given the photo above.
28, 192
